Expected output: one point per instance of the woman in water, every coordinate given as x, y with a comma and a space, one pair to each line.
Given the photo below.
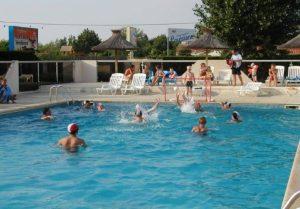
139, 114
201, 127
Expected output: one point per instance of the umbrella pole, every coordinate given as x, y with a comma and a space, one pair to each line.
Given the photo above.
116, 61
206, 57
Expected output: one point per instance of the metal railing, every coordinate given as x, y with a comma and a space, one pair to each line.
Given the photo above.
65, 93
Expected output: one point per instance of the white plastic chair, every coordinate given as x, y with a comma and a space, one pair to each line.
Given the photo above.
250, 87
224, 76
137, 84
293, 75
280, 73
115, 83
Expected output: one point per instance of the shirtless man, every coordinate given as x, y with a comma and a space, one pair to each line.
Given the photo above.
72, 142
138, 115
189, 80
200, 128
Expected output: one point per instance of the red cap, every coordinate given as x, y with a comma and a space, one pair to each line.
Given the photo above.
73, 128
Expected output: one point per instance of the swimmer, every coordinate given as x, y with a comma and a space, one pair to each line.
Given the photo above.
88, 104
197, 104
138, 115
72, 142
100, 107
226, 105
200, 128
235, 117
47, 115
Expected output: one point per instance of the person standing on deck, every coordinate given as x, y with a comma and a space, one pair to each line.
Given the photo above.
236, 66
189, 80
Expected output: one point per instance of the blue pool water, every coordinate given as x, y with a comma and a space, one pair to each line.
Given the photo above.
159, 164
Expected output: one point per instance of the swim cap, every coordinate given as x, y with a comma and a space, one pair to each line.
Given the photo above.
73, 128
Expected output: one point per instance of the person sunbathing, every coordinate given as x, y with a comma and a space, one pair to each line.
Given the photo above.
201, 127
129, 73
72, 142
159, 75
47, 115
140, 115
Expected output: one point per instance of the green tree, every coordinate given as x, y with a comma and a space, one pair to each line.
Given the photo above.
85, 41
143, 45
3, 45
247, 24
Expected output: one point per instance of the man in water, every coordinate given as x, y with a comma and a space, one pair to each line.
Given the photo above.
226, 105
88, 104
72, 142
138, 115
197, 104
200, 128
47, 115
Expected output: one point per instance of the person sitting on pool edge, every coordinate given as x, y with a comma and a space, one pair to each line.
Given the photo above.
72, 142
235, 117
100, 107
225, 105
47, 115
200, 128
138, 114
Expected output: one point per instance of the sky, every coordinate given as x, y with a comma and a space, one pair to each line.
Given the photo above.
95, 12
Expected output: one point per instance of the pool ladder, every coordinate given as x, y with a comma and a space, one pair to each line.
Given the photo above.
54, 90
292, 200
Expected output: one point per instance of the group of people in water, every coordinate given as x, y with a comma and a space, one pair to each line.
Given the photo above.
72, 142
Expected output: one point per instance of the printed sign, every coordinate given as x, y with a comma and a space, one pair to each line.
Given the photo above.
21, 38
180, 34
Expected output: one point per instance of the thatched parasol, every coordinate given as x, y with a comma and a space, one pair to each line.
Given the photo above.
294, 43
116, 42
207, 42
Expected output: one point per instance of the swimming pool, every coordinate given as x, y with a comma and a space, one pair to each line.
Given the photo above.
159, 164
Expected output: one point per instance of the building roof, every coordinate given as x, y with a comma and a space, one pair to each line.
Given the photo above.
207, 41
294, 43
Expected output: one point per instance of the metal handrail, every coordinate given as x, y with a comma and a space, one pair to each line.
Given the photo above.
66, 93
292, 200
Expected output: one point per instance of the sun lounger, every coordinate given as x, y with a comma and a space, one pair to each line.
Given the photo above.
137, 84
251, 87
293, 75
224, 77
115, 83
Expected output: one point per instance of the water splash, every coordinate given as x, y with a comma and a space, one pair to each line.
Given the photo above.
188, 106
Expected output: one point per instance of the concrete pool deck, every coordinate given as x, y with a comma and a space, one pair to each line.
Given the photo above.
79, 92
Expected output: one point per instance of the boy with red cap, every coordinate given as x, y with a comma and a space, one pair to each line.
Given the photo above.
72, 142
